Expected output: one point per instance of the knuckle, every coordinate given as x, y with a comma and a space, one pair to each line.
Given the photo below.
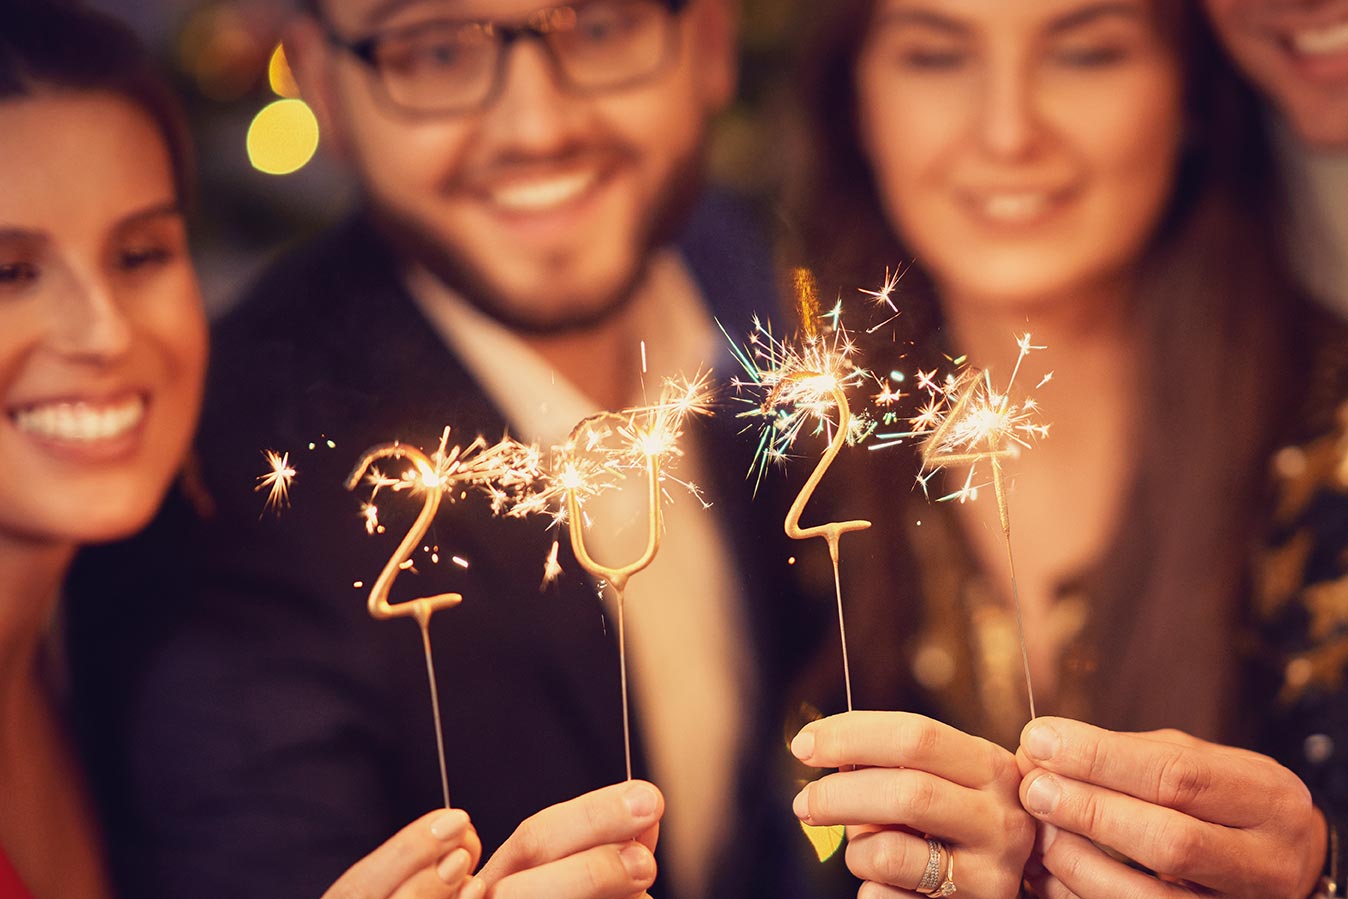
826, 740
528, 841
405, 850
820, 798
1092, 758
598, 869
1005, 771
916, 738
914, 797
1290, 800
1182, 780
1019, 830
1176, 847
1064, 861
1092, 812
592, 817
880, 857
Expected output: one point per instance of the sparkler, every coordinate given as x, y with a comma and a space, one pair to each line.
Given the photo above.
601, 450
967, 421
503, 470
803, 384
276, 481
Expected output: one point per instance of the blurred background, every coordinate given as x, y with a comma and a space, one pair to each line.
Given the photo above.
264, 178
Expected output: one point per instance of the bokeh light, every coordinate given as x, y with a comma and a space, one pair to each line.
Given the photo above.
279, 76
282, 137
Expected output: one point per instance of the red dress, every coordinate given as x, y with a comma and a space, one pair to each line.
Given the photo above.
11, 887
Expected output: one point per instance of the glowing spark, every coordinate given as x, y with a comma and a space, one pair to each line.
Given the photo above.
604, 448
370, 512
552, 569
888, 396
792, 388
276, 481
885, 296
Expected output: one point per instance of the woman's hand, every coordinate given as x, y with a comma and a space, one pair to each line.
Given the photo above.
597, 846
431, 858
916, 776
1225, 821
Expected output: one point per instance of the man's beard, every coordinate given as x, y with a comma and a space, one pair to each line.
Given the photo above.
666, 217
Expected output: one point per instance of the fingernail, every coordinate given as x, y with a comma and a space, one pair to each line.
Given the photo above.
473, 889
637, 859
802, 747
641, 800
1046, 838
801, 804
1042, 742
454, 867
449, 824
1043, 795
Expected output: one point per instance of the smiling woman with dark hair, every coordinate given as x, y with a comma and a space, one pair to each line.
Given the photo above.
1091, 171
102, 356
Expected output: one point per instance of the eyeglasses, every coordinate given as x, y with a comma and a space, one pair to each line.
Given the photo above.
444, 67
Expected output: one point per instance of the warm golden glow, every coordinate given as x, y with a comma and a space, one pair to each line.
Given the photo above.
283, 137
279, 76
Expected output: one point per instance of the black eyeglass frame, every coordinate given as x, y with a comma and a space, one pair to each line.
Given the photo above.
533, 27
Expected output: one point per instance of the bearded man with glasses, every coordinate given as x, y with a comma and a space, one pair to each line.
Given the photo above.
533, 244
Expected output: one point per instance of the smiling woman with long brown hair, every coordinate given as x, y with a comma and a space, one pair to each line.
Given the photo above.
102, 356
1094, 173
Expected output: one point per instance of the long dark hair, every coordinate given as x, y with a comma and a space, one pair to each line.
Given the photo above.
1216, 315
50, 45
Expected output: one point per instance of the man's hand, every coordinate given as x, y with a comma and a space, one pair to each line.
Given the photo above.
1227, 821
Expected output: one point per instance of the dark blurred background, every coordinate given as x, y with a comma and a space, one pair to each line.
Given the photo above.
252, 132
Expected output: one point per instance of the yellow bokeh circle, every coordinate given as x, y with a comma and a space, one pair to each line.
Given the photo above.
279, 75
283, 137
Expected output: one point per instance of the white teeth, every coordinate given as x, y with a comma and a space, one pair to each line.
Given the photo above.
1018, 207
81, 422
1321, 41
536, 196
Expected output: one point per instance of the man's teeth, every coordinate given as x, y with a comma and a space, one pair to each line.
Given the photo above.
1017, 207
1321, 41
547, 193
81, 421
